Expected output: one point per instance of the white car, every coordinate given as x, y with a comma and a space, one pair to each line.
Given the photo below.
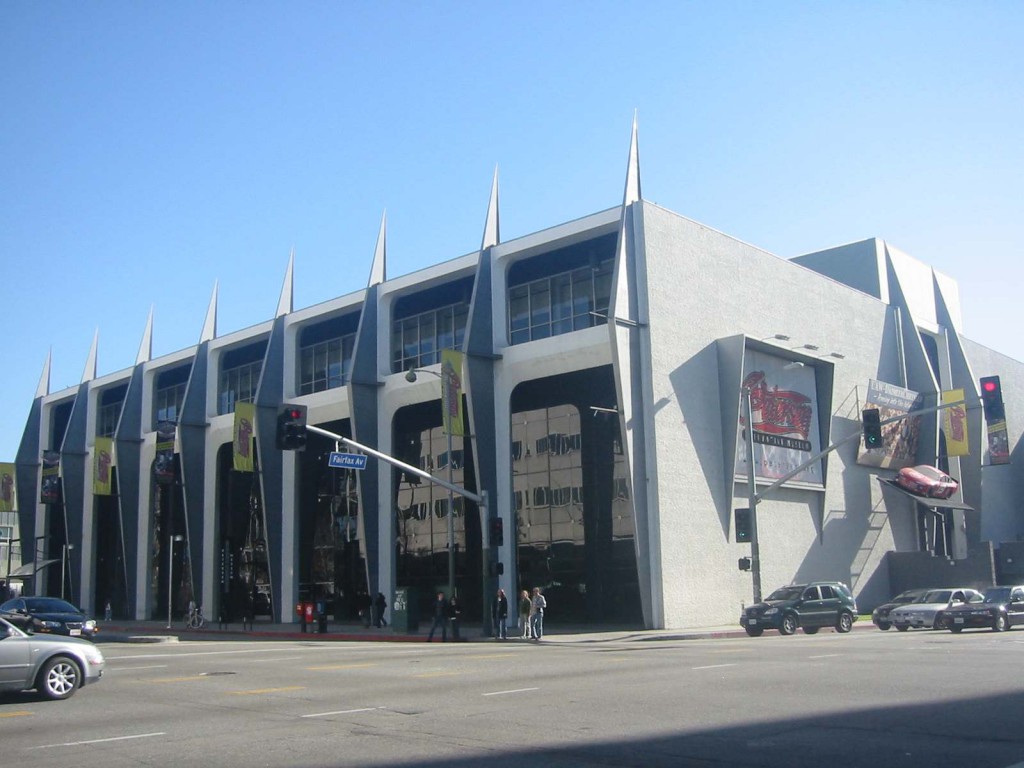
55, 666
926, 611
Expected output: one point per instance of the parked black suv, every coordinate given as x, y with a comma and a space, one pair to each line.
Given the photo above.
811, 606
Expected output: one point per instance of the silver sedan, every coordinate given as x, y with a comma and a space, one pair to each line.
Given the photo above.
55, 666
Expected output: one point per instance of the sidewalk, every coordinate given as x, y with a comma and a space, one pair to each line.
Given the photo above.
154, 631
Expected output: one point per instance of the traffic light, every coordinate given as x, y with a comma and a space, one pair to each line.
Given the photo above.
291, 428
992, 399
743, 525
744, 563
872, 421
497, 532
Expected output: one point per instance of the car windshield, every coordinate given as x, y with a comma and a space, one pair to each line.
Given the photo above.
49, 605
909, 596
936, 596
997, 595
786, 593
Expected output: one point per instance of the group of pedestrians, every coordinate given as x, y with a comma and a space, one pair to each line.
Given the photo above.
447, 613
531, 615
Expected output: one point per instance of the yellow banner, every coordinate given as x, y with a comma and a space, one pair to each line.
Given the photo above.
245, 419
451, 391
954, 424
8, 498
102, 464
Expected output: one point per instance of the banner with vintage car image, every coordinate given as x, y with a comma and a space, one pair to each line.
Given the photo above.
49, 491
163, 465
8, 496
954, 423
900, 438
784, 408
102, 465
451, 392
245, 418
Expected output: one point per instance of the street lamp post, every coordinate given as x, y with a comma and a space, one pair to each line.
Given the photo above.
65, 552
410, 376
170, 575
755, 549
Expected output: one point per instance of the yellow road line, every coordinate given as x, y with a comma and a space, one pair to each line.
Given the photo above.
268, 690
438, 674
16, 714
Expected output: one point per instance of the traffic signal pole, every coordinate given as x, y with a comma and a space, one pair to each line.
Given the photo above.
753, 496
479, 499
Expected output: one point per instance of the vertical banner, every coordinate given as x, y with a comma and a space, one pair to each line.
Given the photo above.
451, 391
245, 418
954, 424
102, 464
163, 467
783, 404
49, 492
7, 493
900, 438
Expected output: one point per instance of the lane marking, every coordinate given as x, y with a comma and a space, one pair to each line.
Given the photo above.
714, 666
495, 656
342, 666
502, 693
101, 741
438, 674
825, 656
134, 669
16, 714
258, 691
172, 679
344, 712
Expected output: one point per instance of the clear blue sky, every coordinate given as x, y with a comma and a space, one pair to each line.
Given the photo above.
148, 150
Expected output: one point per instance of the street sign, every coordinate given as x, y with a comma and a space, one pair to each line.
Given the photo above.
347, 461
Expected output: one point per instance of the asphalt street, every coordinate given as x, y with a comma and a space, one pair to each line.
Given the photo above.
864, 699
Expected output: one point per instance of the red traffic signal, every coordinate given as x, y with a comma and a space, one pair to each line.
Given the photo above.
291, 428
992, 399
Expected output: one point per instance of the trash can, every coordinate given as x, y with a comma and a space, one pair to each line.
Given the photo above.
404, 613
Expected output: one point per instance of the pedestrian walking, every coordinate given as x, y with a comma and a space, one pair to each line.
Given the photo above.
440, 618
525, 609
455, 616
539, 603
380, 604
499, 613
108, 612
364, 603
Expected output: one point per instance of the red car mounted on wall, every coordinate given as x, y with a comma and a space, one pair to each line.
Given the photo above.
927, 481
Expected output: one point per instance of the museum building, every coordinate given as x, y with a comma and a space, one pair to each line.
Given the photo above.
608, 369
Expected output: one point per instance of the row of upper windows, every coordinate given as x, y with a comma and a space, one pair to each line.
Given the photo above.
539, 306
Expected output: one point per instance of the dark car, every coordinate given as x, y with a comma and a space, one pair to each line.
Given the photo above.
1002, 608
55, 666
811, 606
48, 615
880, 616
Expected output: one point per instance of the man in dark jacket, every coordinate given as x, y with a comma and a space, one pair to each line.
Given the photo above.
499, 612
440, 618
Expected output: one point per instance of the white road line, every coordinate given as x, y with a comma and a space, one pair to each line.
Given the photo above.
502, 693
133, 669
344, 712
102, 741
825, 656
714, 666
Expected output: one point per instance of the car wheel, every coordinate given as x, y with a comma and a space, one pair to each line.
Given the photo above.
999, 625
788, 625
845, 622
811, 630
956, 630
59, 678
900, 628
755, 631
884, 625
